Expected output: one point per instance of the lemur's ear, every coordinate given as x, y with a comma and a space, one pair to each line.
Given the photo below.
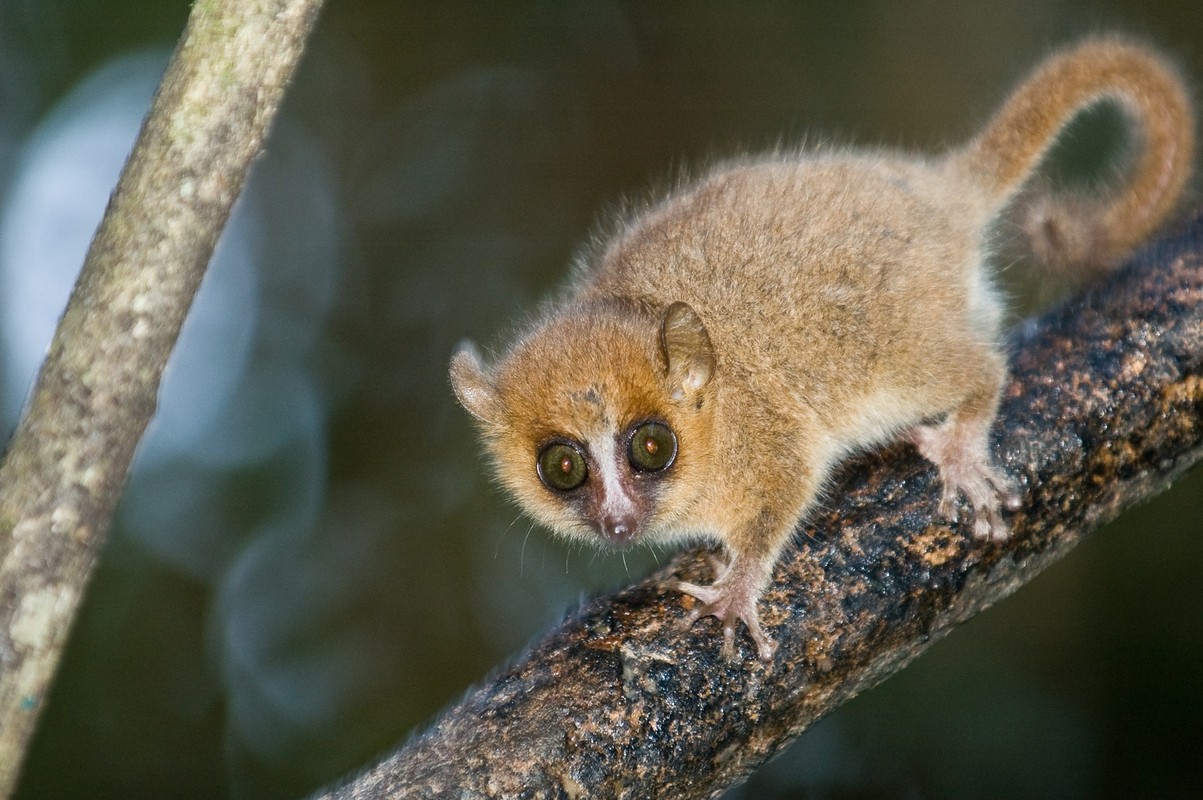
688, 354
472, 384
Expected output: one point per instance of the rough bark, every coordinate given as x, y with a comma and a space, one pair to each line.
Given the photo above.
96, 392
1104, 409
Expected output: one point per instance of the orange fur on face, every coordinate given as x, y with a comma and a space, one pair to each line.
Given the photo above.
589, 377
786, 310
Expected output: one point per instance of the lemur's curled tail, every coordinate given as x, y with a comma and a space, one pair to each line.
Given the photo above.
1070, 230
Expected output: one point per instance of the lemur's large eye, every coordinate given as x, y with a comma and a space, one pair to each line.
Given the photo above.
561, 466
653, 447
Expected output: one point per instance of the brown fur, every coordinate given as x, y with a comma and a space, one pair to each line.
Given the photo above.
786, 310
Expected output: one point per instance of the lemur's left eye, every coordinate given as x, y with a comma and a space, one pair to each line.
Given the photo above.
561, 466
653, 447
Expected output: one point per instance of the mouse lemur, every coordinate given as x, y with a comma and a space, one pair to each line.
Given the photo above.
730, 343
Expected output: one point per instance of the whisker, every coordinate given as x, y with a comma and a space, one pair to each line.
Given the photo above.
522, 552
501, 538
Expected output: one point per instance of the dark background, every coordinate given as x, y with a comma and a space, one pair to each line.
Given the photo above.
310, 560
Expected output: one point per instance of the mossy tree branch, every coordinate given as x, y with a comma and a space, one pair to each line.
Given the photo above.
96, 392
1104, 409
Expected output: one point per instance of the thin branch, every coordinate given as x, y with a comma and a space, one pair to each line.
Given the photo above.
96, 392
1104, 409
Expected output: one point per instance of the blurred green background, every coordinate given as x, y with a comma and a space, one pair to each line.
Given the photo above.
310, 560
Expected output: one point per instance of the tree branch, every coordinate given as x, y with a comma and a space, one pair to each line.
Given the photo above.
96, 392
1104, 409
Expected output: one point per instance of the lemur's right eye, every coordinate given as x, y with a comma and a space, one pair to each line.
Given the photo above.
561, 466
653, 447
